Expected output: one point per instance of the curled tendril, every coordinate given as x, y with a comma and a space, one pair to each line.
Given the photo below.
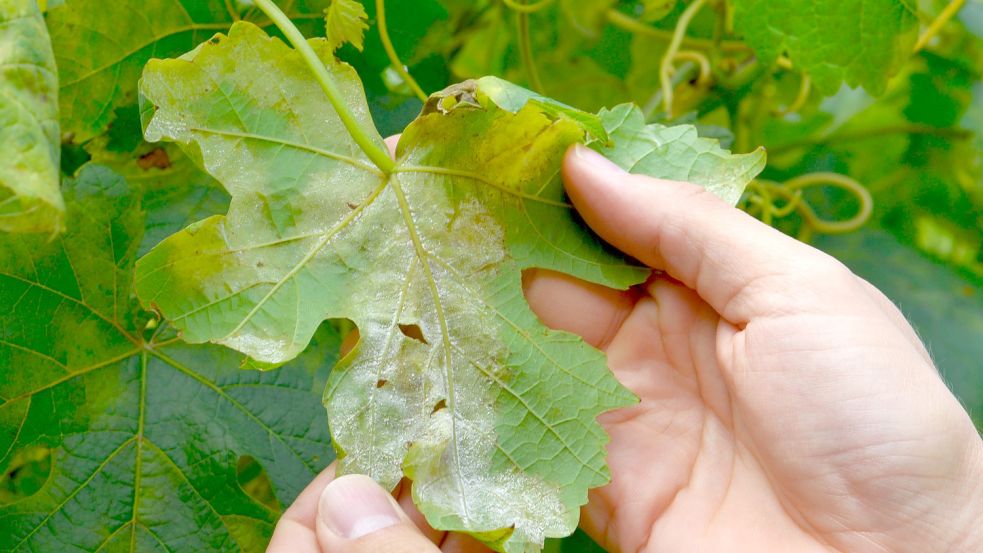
527, 8
666, 67
701, 61
805, 87
387, 45
763, 197
525, 41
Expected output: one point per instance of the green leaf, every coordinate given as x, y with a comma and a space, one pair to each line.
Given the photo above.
101, 47
144, 433
175, 192
29, 139
677, 153
500, 441
860, 42
346, 22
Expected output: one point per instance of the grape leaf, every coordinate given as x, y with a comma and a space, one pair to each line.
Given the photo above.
143, 432
101, 47
861, 42
454, 382
345, 22
677, 153
174, 191
301, 243
29, 197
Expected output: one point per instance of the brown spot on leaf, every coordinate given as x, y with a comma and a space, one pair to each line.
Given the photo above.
154, 159
381, 382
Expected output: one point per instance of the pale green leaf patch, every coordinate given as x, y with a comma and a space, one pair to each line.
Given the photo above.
30, 199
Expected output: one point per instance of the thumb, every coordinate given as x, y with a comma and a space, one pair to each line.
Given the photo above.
355, 515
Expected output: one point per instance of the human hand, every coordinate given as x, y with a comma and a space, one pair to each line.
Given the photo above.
786, 404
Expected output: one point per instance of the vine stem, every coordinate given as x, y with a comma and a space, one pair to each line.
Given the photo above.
377, 154
632, 25
525, 48
665, 67
387, 45
948, 13
527, 8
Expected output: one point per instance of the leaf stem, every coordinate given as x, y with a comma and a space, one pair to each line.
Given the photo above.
377, 154
933, 29
864, 134
387, 45
525, 48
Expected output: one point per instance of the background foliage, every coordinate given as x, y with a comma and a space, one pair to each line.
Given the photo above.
115, 435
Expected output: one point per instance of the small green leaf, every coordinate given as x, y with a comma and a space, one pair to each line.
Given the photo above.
30, 200
860, 42
346, 22
677, 153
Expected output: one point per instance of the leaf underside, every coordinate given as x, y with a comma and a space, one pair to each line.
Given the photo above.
490, 413
30, 200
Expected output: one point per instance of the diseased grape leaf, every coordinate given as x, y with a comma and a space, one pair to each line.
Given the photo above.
30, 200
861, 42
101, 47
677, 153
143, 432
345, 21
454, 382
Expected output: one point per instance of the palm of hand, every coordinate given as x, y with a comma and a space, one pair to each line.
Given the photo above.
763, 438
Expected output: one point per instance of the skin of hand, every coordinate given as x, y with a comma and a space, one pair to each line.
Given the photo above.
785, 403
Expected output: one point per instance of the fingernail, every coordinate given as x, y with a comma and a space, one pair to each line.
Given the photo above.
596, 160
354, 505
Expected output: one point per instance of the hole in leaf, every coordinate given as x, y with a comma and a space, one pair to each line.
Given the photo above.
255, 482
442, 404
413, 331
27, 472
348, 342
154, 159
381, 382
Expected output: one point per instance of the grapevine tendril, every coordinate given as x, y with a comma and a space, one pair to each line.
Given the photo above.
525, 48
805, 87
762, 194
387, 45
528, 8
933, 29
666, 67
